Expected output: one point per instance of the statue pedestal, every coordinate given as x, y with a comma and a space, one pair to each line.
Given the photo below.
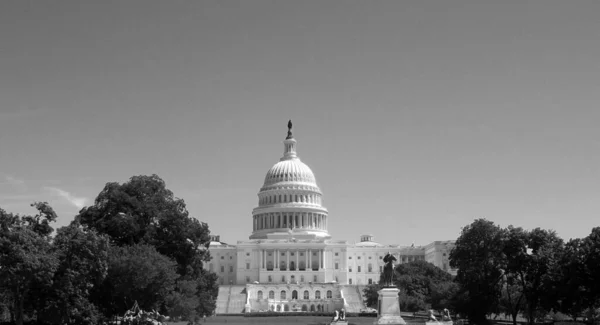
388, 308
339, 322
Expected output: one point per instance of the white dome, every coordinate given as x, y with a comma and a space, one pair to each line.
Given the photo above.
289, 202
292, 170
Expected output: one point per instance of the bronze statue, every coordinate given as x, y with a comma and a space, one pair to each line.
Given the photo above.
289, 136
388, 270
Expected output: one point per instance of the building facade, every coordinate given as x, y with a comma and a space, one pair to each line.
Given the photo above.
290, 246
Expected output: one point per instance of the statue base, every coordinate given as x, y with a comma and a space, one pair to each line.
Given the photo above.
339, 322
447, 322
388, 308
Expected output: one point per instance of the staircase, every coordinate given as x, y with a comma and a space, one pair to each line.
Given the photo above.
222, 299
237, 299
353, 298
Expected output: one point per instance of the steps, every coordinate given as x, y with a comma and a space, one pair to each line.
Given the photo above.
353, 297
237, 299
222, 300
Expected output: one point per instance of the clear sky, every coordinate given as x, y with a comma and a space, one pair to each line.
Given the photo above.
416, 116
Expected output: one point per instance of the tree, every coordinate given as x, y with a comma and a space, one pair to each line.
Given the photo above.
371, 295
26, 260
144, 211
26, 263
424, 285
479, 258
136, 273
533, 257
82, 266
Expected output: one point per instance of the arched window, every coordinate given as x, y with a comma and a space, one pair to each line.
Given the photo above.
370, 268
279, 198
317, 294
294, 294
278, 307
349, 281
292, 266
271, 294
312, 307
272, 307
329, 294
282, 295
259, 295
305, 294
286, 308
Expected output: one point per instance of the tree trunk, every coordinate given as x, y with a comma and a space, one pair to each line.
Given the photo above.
19, 311
514, 317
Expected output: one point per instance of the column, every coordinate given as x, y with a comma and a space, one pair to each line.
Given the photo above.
324, 260
276, 259
310, 259
297, 266
319, 259
287, 260
261, 259
306, 260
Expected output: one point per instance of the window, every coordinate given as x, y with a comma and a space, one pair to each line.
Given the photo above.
317, 294
315, 278
222, 257
247, 279
380, 257
369, 257
230, 257
358, 268
302, 278
337, 266
247, 266
271, 294
358, 257
370, 281
283, 278
370, 268
350, 269
230, 268
349, 257
329, 294
349, 281
306, 294
336, 254
301, 254
270, 279
247, 254
282, 294
259, 295
222, 268
294, 294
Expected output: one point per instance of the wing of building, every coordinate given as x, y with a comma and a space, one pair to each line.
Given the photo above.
291, 262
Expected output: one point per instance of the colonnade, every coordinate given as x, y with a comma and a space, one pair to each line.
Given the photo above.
306, 220
308, 259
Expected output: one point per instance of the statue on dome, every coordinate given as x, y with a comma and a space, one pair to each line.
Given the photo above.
289, 136
388, 270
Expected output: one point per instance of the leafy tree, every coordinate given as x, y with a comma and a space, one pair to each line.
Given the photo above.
26, 260
82, 266
371, 295
144, 211
534, 257
26, 263
479, 258
424, 285
136, 273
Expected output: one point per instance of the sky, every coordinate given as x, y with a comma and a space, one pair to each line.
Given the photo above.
417, 117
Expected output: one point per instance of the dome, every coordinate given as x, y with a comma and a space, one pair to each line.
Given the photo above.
292, 170
290, 201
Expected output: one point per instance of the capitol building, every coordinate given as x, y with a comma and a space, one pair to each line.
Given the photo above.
291, 262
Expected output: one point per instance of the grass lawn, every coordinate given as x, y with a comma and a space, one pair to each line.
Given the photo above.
308, 320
